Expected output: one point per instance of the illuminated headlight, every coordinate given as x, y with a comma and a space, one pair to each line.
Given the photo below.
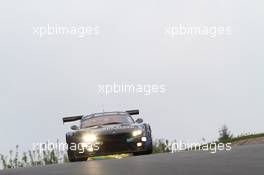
137, 133
143, 139
90, 149
89, 138
139, 144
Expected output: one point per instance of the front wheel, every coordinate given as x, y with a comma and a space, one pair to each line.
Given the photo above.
72, 158
148, 151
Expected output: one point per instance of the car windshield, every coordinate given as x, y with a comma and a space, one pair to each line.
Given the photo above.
105, 120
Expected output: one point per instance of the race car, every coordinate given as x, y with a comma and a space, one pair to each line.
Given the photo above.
108, 133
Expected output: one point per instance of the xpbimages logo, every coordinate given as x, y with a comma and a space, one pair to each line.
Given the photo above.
192, 146
187, 30
78, 31
79, 147
145, 89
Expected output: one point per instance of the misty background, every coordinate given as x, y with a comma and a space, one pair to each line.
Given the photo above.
209, 81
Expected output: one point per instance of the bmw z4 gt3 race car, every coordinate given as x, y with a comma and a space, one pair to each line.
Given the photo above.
107, 133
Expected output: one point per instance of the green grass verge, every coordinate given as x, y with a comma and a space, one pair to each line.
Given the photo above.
243, 137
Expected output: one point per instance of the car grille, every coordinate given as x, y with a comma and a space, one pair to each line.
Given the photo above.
115, 142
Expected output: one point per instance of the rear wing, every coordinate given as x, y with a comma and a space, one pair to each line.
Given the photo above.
72, 119
79, 117
133, 112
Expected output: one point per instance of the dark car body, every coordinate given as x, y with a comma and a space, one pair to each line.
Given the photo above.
108, 133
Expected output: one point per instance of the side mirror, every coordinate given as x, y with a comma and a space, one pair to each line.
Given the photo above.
74, 127
139, 120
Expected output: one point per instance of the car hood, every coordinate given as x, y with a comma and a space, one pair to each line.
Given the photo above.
111, 129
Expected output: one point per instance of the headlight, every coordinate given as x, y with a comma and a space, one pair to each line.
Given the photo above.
137, 133
89, 138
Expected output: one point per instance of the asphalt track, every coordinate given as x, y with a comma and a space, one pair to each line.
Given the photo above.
242, 160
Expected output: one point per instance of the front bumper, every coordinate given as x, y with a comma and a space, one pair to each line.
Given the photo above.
114, 144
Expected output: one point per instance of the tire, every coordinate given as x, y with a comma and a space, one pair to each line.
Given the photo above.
72, 158
81, 159
148, 151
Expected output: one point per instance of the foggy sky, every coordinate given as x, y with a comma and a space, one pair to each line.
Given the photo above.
209, 81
